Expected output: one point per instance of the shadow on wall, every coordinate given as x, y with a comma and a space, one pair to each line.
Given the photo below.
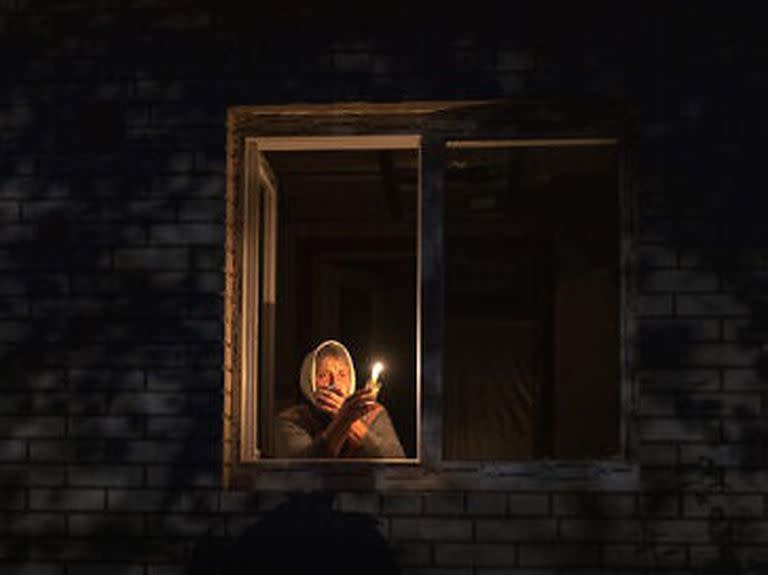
112, 256
705, 362
303, 535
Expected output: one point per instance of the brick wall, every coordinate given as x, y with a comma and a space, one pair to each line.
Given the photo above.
111, 253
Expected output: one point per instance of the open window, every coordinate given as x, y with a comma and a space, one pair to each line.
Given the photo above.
330, 256
477, 249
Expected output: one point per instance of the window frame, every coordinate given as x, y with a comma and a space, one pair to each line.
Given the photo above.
438, 125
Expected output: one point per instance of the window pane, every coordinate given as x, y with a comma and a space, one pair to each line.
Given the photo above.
346, 271
531, 364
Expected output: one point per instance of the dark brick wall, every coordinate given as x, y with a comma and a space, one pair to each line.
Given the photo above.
112, 135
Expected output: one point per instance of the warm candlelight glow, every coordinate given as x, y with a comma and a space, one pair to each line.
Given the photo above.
378, 367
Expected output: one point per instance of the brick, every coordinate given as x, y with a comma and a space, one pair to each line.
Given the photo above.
33, 475
13, 498
67, 499
741, 330
738, 404
179, 475
487, 503
729, 505
245, 502
167, 570
654, 454
138, 500
210, 162
156, 451
153, 403
710, 305
17, 187
743, 380
527, 504
33, 568
22, 427
724, 455
412, 554
10, 285
401, 504
686, 330
593, 505
186, 234
679, 281
679, 380
431, 529
32, 523
515, 529
752, 531
665, 429
101, 568
14, 331
357, 502
438, 571
106, 378
652, 305
105, 426
165, 501
656, 257
722, 355
444, 503
458, 554
154, 258
668, 531
747, 480
189, 187
12, 450
15, 404
705, 556
179, 524
105, 476
644, 557
660, 505
748, 430
105, 524
661, 404
600, 529
174, 427
67, 450
558, 554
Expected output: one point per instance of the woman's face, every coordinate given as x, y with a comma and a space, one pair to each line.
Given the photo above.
332, 372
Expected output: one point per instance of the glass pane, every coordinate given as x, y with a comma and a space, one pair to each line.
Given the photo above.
346, 271
531, 364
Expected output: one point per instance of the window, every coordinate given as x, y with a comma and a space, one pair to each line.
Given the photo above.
474, 248
531, 330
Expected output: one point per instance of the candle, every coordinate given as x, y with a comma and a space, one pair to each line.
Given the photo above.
378, 367
376, 370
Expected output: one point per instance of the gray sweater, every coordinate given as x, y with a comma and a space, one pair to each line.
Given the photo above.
298, 428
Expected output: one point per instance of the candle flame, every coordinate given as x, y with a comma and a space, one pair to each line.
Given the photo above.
378, 367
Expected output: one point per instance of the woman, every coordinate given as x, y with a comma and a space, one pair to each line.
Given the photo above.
335, 420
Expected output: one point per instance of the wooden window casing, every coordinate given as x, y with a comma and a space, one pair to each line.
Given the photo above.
436, 126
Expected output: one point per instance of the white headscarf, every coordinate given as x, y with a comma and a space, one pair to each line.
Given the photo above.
307, 380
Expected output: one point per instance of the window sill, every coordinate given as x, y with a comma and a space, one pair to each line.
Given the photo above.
409, 475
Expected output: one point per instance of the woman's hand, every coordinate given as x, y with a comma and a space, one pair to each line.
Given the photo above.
357, 405
347, 412
329, 400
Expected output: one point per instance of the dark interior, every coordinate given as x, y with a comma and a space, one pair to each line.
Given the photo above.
346, 269
531, 304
